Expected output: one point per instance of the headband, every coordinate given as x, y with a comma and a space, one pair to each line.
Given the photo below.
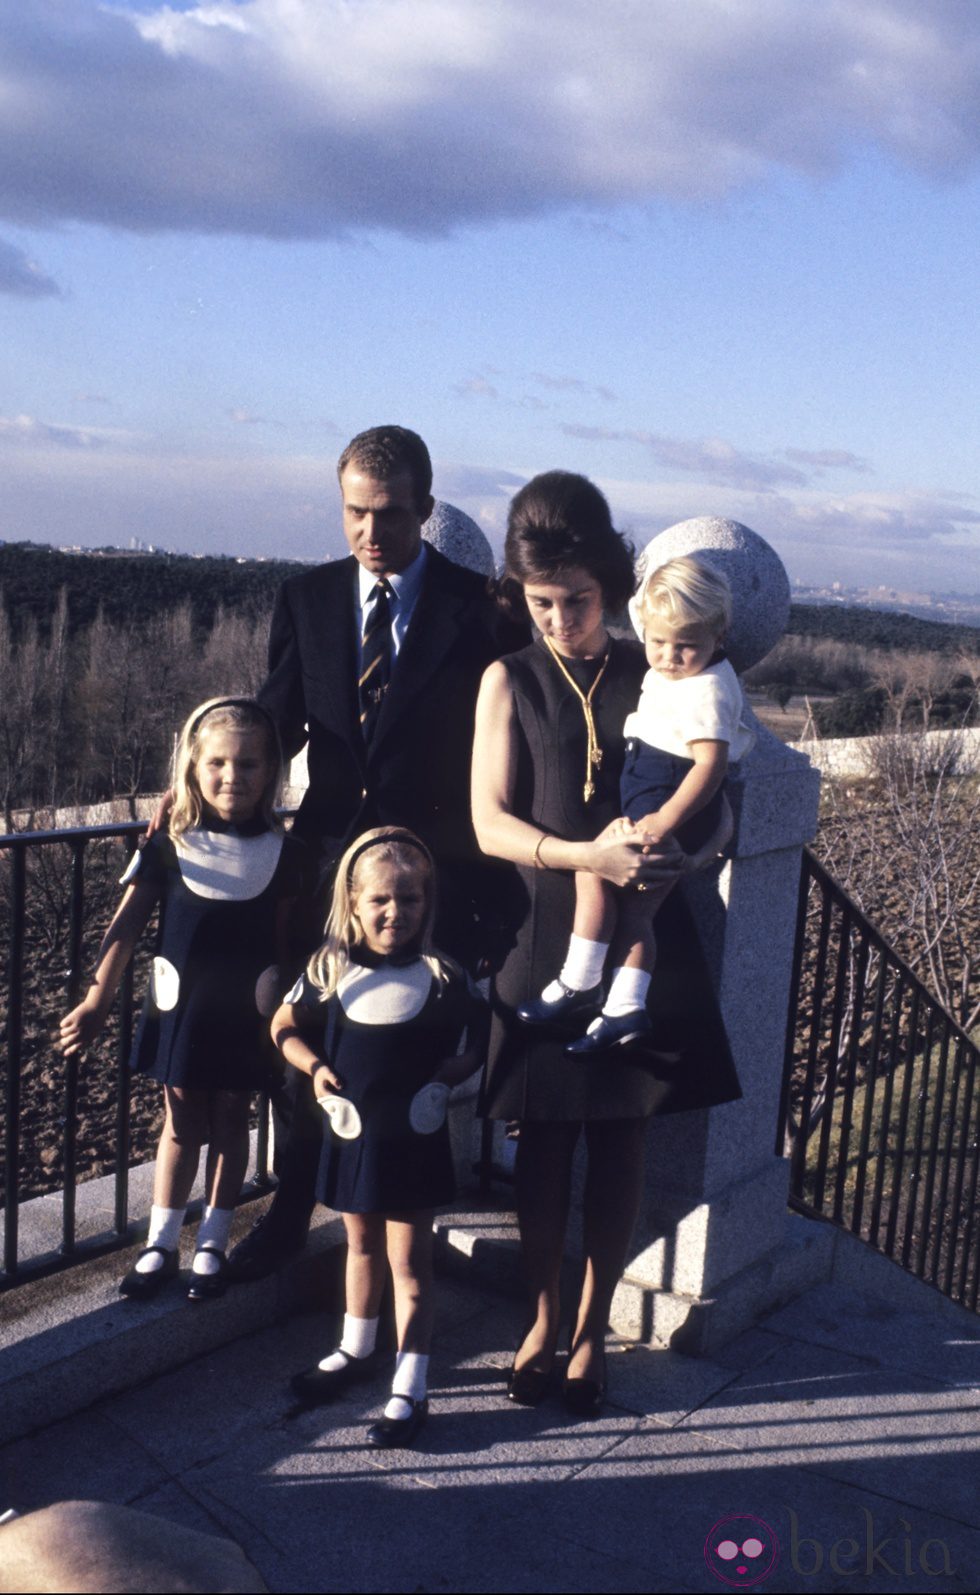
233, 703
405, 837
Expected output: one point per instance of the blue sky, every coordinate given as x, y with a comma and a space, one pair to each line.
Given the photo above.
720, 255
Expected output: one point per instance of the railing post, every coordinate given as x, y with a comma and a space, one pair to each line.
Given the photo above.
15, 1011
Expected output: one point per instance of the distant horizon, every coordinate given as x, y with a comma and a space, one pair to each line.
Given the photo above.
826, 592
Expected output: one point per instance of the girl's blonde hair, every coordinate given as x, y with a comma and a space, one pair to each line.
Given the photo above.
386, 844
687, 592
221, 714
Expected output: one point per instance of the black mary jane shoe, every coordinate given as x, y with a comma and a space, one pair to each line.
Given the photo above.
390, 1432
316, 1386
566, 1013
208, 1287
623, 1030
143, 1287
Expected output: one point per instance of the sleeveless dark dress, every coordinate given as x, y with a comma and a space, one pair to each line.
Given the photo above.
528, 1075
214, 983
383, 1061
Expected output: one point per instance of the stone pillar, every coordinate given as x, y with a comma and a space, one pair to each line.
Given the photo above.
710, 1251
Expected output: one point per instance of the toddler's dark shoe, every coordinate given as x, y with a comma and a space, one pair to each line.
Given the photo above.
609, 1033
565, 1012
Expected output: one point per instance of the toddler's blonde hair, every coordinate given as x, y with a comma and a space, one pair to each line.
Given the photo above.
221, 714
385, 844
686, 592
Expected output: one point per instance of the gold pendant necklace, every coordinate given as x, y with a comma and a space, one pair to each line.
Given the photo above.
593, 752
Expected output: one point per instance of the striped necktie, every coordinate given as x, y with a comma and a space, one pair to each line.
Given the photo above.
372, 683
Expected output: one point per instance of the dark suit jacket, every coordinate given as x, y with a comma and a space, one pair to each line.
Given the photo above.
417, 770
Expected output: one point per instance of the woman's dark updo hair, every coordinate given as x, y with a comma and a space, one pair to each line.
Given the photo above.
559, 522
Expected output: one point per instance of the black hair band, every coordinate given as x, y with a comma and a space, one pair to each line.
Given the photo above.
405, 837
233, 703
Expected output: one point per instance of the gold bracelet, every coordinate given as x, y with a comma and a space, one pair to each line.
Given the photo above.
536, 858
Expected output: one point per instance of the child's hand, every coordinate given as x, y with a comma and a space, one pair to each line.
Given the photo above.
325, 1082
619, 828
79, 1028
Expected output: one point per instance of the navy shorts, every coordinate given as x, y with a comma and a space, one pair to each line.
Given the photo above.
651, 776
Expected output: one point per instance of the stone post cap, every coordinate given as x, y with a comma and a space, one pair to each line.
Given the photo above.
756, 575
456, 535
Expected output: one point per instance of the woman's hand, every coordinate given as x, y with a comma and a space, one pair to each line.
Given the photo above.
627, 856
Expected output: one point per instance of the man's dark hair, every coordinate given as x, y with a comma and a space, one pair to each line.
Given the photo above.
560, 521
385, 451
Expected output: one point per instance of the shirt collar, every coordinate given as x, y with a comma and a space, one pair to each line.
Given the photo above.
405, 583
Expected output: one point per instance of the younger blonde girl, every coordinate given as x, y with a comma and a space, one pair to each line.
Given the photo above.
376, 1021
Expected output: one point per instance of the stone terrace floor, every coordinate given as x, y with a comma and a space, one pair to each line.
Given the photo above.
851, 1429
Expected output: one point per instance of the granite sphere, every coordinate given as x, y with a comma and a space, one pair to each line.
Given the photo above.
756, 575
457, 535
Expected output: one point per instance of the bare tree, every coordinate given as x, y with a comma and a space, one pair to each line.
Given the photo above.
905, 843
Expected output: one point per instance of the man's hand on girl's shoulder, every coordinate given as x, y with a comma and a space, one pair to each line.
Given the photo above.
161, 814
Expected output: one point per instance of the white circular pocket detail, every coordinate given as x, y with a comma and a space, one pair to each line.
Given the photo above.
427, 1109
345, 1120
267, 991
164, 985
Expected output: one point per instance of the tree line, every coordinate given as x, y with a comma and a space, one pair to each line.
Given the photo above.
102, 657
90, 713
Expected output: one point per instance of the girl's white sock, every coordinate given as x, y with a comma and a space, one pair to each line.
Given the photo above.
359, 1339
213, 1230
164, 1230
582, 969
627, 992
410, 1381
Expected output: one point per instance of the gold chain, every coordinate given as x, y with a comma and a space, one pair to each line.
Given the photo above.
593, 752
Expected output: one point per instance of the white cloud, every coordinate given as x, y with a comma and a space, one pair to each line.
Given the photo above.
713, 459
304, 118
920, 525
21, 430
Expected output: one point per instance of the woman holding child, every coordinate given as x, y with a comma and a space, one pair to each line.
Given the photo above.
548, 754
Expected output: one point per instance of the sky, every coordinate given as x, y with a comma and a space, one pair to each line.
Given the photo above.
718, 255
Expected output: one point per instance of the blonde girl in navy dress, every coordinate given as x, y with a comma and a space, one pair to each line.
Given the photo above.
224, 876
376, 1021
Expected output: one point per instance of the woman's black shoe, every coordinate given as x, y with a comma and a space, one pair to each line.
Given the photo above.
584, 1398
142, 1287
389, 1432
529, 1386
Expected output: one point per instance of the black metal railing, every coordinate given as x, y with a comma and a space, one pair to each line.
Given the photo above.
58, 890
880, 1114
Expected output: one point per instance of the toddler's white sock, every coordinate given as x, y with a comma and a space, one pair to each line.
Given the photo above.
165, 1226
582, 969
358, 1340
213, 1230
627, 992
410, 1381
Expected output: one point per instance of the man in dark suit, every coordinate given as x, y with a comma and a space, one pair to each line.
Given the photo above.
389, 729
